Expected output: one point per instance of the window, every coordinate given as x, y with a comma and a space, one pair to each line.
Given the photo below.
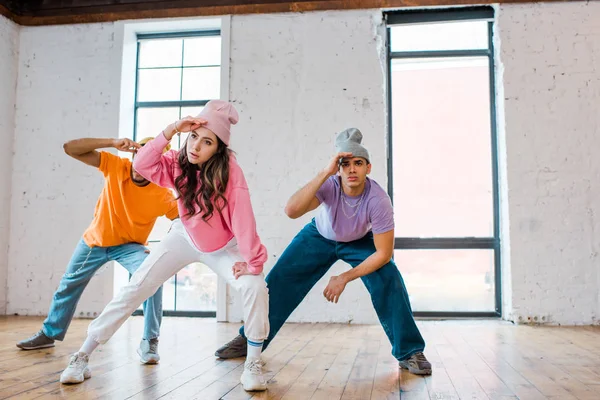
442, 164
176, 75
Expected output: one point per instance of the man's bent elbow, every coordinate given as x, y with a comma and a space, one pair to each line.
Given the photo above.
292, 212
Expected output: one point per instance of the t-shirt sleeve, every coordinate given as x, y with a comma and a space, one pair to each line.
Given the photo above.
326, 190
109, 163
381, 214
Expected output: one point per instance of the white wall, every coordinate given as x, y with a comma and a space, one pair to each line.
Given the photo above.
9, 54
297, 79
68, 87
313, 67
551, 57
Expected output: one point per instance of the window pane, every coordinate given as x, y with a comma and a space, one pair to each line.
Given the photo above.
151, 121
178, 140
159, 84
442, 161
201, 83
202, 51
196, 288
448, 280
160, 53
440, 36
193, 111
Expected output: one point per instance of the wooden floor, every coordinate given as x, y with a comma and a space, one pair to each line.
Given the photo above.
471, 360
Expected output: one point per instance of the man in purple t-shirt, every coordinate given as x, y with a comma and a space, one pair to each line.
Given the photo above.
355, 224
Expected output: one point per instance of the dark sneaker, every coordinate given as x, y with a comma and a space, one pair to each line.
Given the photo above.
417, 364
238, 347
37, 341
148, 351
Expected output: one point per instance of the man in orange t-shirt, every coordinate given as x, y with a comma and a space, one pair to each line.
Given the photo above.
124, 217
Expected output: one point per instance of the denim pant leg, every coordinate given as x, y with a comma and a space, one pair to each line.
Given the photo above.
131, 256
389, 297
307, 258
84, 263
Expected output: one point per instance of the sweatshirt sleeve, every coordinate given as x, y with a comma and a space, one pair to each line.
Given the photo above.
243, 226
152, 164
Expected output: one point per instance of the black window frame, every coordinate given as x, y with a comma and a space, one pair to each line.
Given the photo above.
176, 103
395, 18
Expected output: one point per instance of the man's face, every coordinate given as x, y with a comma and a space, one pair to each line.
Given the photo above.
138, 179
354, 171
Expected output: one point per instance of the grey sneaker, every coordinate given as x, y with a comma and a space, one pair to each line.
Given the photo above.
417, 364
148, 351
238, 347
37, 341
77, 371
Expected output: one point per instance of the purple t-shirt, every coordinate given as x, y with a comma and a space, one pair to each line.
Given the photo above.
339, 221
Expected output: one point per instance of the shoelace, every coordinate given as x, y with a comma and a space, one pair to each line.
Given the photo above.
76, 360
255, 366
420, 357
153, 347
35, 336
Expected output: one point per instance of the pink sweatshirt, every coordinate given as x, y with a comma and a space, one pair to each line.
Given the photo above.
237, 220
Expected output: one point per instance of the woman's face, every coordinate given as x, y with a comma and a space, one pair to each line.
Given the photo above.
201, 146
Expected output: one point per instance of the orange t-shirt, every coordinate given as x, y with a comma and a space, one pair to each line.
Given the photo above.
125, 212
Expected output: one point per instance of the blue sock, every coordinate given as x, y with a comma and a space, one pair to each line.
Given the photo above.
254, 350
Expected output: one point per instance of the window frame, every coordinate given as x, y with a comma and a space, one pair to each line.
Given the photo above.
486, 13
170, 103
177, 103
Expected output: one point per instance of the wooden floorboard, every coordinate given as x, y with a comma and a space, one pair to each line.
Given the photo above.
472, 359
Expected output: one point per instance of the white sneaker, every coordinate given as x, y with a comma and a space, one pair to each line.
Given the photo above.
148, 351
252, 378
77, 371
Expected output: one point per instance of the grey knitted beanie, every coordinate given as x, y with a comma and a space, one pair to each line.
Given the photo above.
349, 141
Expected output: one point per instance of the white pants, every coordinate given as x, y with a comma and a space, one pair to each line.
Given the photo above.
173, 253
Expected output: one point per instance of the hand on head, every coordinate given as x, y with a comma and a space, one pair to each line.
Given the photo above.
334, 164
189, 124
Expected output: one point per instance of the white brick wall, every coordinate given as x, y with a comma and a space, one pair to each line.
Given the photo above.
68, 87
297, 79
551, 56
318, 60
9, 54
323, 72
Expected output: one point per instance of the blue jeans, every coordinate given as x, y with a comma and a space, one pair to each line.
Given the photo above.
309, 256
84, 263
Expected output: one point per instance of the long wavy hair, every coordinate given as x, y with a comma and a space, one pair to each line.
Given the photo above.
202, 196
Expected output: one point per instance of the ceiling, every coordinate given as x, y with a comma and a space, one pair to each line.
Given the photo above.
50, 12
